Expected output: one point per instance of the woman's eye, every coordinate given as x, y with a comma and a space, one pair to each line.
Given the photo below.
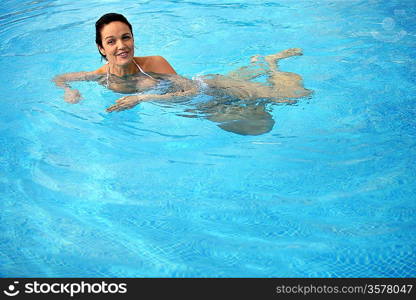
126, 37
110, 42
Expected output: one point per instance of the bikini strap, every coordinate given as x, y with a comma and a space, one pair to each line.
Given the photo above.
141, 70
108, 72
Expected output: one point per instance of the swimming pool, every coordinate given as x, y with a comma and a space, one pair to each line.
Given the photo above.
329, 192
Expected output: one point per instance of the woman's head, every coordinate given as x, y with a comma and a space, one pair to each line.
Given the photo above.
114, 38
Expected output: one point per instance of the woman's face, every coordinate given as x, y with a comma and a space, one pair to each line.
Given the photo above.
118, 43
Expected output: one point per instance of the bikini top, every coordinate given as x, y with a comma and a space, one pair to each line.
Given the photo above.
137, 65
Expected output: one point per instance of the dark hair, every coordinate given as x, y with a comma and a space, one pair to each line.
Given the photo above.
104, 20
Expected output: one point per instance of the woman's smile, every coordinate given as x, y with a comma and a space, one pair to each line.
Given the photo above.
123, 54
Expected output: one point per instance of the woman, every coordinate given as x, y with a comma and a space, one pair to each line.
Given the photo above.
125, 73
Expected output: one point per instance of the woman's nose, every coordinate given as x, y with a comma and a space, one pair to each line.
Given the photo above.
120, 43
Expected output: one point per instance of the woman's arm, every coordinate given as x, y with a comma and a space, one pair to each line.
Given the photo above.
186, 87
62, 81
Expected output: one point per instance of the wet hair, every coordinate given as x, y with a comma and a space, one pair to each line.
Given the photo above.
104, 20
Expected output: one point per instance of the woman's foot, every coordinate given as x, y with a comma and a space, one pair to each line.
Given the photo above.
286, 53
271, 59
255, 59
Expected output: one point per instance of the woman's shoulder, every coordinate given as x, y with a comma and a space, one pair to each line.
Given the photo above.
101, 70
155, 64
147, 59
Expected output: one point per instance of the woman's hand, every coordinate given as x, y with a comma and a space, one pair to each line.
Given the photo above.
127, 102
72, 96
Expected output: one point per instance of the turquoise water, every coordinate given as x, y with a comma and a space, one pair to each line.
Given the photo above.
329, 192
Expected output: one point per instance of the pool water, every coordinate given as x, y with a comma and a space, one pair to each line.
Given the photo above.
328, 192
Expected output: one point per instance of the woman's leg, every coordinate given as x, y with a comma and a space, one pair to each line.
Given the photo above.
273, 58
283, 84
286, 84
262, 65
240, 119
256, 68
248, 120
